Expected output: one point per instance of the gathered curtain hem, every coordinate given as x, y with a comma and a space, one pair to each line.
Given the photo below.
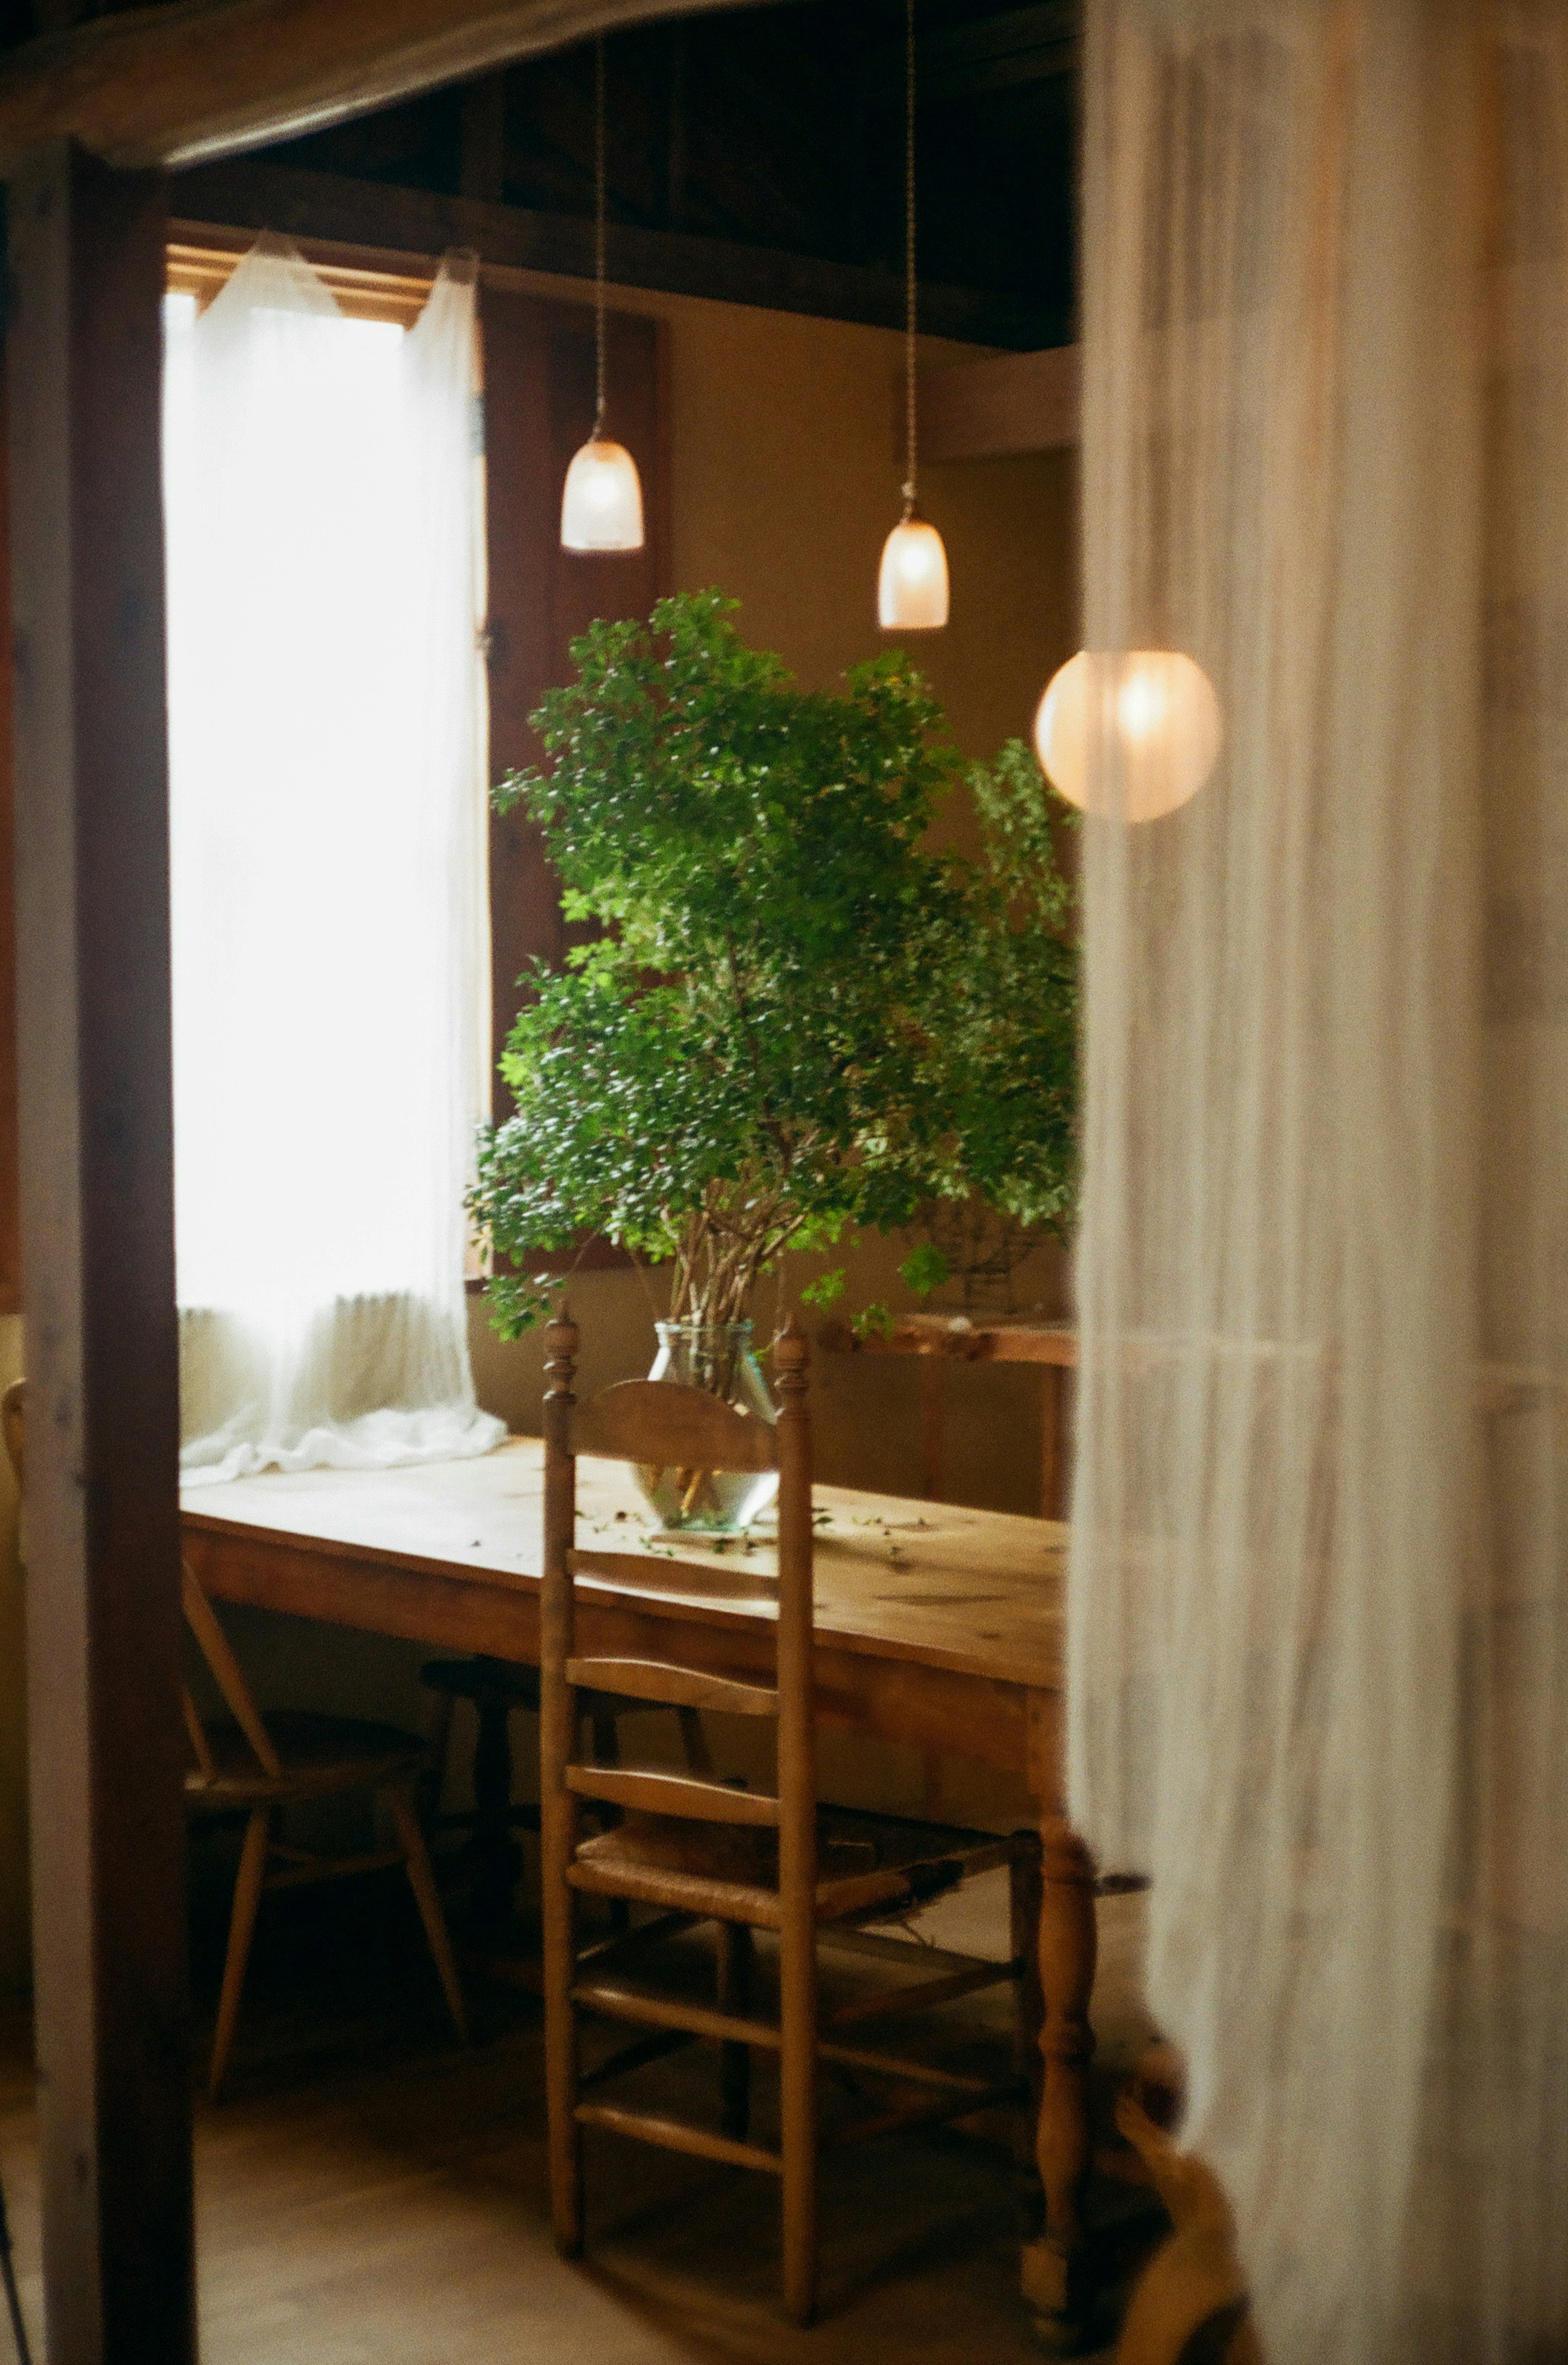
386, 1439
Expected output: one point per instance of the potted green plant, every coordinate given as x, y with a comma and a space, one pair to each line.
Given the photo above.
786, 1028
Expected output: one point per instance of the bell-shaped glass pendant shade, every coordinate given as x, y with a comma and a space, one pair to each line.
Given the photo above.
912, 588
1146, 719
601, 506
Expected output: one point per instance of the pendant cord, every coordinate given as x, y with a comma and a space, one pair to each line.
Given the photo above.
598, 248
910, 283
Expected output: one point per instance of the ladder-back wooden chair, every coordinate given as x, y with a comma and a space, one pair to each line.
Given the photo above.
258, 1765
698, 1850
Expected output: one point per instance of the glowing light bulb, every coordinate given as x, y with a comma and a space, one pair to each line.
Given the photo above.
601, 505
1142, 705
1142, 725
911, 586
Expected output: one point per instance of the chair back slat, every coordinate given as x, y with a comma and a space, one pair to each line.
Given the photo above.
665, 1425
213, 1644
655, 1679
672, 1794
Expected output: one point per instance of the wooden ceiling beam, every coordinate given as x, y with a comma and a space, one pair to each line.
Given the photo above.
250, 194
206, 78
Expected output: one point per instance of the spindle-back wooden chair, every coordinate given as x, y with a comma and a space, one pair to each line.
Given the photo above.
258, 1765
701, 1850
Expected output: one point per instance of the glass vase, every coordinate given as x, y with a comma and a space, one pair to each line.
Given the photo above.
717, 1357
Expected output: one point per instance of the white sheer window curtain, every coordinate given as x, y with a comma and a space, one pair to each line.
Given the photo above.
328, 744
1319, 1594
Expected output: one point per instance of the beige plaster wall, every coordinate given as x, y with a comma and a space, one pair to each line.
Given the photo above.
786, 472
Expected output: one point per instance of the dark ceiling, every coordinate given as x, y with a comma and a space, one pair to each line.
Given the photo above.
782, 128
737, 140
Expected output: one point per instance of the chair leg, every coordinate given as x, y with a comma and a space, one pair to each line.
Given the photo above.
561, 2029
431, 1788
1028, 2005
797, 2114
735, 2059
421, 1880
241, 1928
694, 1741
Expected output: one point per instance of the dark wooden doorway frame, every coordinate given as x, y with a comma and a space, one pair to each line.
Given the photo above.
83, 369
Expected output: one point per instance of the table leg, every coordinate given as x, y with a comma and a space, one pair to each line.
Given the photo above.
1050, 1435
1056, 1387
1055, 2280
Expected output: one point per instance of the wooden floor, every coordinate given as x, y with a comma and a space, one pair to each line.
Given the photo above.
369, 2195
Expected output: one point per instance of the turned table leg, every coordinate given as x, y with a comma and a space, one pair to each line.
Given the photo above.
1055, 2277
1057, 1383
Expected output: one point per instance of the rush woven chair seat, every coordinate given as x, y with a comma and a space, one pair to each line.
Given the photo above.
866, 1864
698, 1850
256, 1766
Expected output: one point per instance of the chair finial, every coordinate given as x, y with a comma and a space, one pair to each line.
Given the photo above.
561, 1336
791, 1355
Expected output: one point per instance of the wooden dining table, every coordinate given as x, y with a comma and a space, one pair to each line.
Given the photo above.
936, 1626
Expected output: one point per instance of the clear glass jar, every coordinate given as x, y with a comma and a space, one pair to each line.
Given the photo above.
718, 1357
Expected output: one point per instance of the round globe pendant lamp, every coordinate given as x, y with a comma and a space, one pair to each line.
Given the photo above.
1153, 712
911, 584
602, 503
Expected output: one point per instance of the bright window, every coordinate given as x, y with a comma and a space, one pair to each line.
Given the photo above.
323, 501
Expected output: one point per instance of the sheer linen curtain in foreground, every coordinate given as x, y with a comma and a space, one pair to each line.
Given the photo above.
1319, 1589
327, 805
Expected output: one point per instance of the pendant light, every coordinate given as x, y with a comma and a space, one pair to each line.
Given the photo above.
911, 586
601, 505
1154, 708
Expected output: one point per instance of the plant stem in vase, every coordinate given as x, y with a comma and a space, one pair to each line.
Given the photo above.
719, 1358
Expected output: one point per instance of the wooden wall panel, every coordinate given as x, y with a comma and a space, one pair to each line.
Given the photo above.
538, 380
